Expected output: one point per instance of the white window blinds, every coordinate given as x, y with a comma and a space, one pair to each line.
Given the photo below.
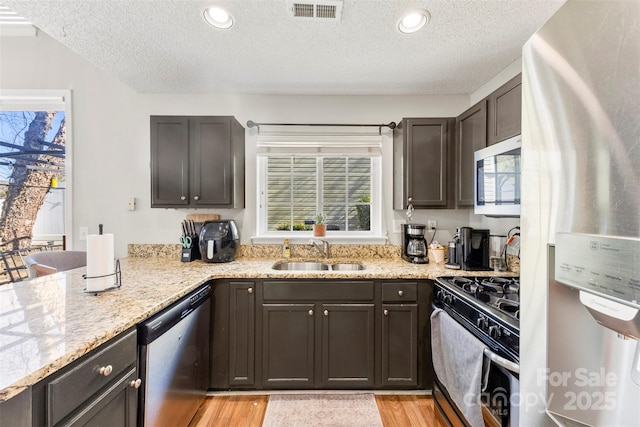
304, 172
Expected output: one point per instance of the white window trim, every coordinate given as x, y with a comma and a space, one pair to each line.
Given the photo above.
17, 99
323, 142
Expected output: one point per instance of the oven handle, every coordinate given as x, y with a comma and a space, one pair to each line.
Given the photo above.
501, 361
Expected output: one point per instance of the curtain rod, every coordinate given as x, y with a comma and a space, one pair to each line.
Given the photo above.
251, 124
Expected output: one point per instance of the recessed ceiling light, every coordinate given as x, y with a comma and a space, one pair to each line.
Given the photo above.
218, 17
413, 20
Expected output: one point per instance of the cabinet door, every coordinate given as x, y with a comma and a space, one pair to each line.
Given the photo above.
242, 333
471, 135
288, 345
399, 345
117, 405
348, 333
212, 161
169, 161
505, 111
426, 156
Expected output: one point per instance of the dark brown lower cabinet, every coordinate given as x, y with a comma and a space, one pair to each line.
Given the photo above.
288, 345
80, 394
116, 406
242, 336
400, 345
320, 334
348, 333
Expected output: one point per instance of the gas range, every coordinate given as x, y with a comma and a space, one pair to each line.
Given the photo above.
489, 307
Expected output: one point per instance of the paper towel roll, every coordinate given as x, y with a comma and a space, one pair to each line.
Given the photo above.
100, 262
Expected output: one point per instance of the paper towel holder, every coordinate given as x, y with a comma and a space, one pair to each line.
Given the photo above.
116, 284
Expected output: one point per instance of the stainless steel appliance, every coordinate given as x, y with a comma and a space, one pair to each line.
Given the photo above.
581, 166
219, 240
414, 243
471, 249
174, 361
497, 179
488, 309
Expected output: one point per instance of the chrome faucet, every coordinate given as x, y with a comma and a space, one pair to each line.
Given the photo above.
324, 250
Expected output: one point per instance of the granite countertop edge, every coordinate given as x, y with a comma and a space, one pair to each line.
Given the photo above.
60, 323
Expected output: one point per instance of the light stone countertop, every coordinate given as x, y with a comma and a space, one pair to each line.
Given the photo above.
48, 322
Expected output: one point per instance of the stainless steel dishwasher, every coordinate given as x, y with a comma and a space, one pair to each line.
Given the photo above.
174, 360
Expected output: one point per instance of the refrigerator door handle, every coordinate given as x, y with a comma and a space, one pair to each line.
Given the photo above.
501, 361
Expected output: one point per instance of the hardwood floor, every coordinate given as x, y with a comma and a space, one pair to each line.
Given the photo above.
236, 410
406, 410
248, 411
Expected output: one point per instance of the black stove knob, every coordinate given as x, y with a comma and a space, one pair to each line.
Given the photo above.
440, 295
495, 331
448, 299
482, 323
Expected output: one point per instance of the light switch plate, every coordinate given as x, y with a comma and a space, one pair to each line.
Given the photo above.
131, 204
83, 233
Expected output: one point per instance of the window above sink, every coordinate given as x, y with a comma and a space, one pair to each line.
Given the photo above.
333, 171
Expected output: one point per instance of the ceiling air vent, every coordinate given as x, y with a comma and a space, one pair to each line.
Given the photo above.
317, 11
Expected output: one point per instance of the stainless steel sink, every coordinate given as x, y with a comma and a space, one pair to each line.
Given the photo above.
304, 266
316, 266
346, 266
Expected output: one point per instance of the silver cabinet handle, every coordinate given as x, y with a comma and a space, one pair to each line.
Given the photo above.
326, 312
401, 293
196, 197
106, 370
386, 312
135, 383
310, 312
250, 290
183, 198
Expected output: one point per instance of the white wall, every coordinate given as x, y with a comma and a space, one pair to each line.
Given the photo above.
111, 153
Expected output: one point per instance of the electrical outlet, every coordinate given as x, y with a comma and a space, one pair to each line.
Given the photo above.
432, 224
83, 233
397, 225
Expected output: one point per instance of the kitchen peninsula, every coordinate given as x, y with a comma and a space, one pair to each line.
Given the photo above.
49, 322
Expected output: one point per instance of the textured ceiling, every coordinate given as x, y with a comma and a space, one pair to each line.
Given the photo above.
166, 46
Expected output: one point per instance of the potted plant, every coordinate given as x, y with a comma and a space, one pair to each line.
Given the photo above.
319, 227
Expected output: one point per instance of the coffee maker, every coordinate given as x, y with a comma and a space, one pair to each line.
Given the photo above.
414, 244
469, 249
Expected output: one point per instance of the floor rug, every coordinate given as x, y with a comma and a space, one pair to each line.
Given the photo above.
353, 410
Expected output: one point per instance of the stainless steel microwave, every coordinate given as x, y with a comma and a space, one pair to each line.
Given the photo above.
497, 179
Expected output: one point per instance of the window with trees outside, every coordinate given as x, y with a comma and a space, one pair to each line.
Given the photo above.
33, 157
337, 177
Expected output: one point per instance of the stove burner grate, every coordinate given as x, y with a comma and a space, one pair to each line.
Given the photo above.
509, 307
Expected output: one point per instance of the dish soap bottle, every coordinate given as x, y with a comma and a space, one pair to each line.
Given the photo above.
286, 249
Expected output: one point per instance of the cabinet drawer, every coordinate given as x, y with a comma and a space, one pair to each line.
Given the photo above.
69, 390
399, 291
301, 290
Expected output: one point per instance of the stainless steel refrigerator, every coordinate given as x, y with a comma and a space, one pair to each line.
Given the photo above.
580, 268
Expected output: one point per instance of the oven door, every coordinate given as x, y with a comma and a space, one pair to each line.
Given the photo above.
499, 409
499, 385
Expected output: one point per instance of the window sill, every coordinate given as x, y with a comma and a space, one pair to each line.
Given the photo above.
304, 239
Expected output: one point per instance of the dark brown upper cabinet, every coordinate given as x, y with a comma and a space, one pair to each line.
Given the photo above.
422, 149
197, 162
471, 135
505, 111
